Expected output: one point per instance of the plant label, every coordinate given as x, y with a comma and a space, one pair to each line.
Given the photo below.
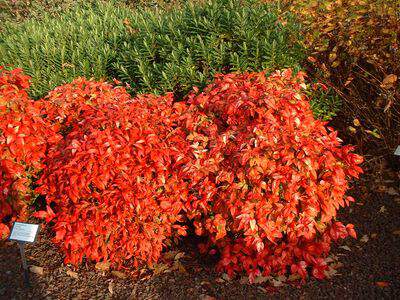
397, 152
24, 232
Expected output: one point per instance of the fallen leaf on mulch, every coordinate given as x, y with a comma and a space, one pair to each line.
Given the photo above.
389, 81
219, 280
276, 283
392, 191
178, 266
111, 287
119, 274
160, 268
72, 274
36, 270
382, 283
179, 255
207, 283
364, 238
262, 279
396, 232
102, 266
347, 248
294, 277
374, 235
170, 255
356, 122
244, 280
226, 277
383, 209
330, 272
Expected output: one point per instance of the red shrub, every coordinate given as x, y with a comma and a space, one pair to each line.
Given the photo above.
113, 180
246, 162
268, 177
65, 103
24, 137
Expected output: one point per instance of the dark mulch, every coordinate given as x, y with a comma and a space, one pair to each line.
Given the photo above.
371, 264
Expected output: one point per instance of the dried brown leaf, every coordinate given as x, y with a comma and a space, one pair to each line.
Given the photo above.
36, 269
102, 266
389, 81
119, 274
72, 274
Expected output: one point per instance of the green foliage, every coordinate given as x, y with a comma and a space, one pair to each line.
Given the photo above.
176, 49
154, 46
53, 51
325, 104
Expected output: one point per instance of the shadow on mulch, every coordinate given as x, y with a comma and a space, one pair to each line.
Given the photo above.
371, 264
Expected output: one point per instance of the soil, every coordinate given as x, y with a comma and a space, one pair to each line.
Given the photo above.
371, 264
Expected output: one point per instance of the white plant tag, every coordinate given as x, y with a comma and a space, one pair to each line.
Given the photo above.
397, 152
24, 232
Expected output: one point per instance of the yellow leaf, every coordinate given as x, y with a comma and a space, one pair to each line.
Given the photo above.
389, 81
72, 274
374, 134
36, 270
352, 129
119, 274
102, 266
332, 56
253, 224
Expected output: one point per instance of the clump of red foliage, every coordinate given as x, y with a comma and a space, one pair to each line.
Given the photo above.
113, 182
24, 139
244, 161
268, 178
65, 104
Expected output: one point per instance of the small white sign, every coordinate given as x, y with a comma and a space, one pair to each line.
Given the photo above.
397, 152
24, 232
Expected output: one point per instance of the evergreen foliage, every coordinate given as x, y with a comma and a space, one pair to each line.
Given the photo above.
176, 49
54, 51
155, 48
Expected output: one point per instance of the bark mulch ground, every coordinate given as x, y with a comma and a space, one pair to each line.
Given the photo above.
371, 264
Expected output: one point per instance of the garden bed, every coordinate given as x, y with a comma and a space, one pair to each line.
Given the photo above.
212, 181
371, 264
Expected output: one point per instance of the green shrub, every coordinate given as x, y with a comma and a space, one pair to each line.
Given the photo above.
160, 48
53, 51
175, 49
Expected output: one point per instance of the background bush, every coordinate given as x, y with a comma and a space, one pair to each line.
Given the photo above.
356, 48
176, 49
167, 46
79, 42
158, 50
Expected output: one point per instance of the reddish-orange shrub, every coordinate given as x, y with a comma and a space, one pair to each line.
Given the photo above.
245, 161
65, 103
24, 137
267, 178
112, 185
